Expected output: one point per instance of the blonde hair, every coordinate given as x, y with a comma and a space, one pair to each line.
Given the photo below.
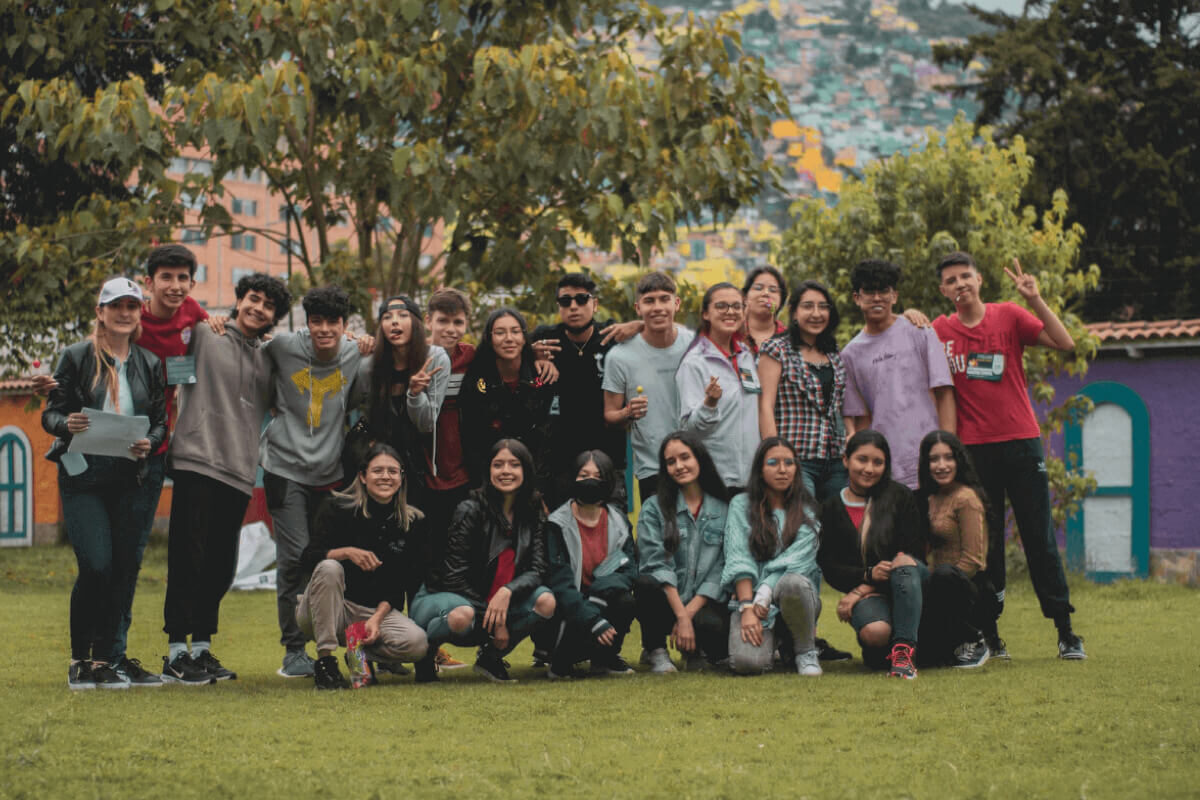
106, 366
355, 495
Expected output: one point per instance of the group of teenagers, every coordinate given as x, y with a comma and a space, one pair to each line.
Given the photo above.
425, 492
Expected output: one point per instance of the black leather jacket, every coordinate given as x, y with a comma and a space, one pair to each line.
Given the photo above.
477, 535
75, 392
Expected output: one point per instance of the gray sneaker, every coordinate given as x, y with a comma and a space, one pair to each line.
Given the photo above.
970, 655
660, 663
296, 664
809, 664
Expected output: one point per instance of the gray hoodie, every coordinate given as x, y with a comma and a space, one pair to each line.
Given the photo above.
222, 413
303, 443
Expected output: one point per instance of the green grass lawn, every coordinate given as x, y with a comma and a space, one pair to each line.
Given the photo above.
1122, 724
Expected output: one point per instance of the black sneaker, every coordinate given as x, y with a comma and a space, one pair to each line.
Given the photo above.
326, 674
426, 670
1070, 647
827, 652
492, 666
209, 663
564, 672
997, 648
970, 655
79, 676
541, 658
614, 666
106, 677
131, 670
183, 670
390, 668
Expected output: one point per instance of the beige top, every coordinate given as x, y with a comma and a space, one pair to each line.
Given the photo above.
958, 530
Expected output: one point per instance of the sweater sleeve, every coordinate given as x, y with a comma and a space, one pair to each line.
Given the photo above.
834, 554
423, 409
972, 529
739, 562
691, 382
799, 558
653, 558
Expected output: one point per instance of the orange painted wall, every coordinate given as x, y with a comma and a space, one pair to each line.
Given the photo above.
46, 507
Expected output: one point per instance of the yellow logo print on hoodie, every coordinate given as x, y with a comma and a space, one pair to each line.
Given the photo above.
333, 382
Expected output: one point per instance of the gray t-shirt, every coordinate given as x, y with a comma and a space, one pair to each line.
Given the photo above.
636, 363
303, 443
889, 376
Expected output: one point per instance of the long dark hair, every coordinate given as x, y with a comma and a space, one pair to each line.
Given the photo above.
885, 496
668, 491
484, 364
383, 370
964, 471
764, 536
766, 269
826, 339
528, 502
604, 466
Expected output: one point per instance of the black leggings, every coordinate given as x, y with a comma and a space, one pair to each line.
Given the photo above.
654, 613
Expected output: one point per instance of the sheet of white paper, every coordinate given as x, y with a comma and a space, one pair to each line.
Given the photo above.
109, 434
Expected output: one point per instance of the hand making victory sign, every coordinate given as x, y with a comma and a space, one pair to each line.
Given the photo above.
420, 380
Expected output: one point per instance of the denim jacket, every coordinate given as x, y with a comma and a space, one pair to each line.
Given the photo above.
799, 558
696, 566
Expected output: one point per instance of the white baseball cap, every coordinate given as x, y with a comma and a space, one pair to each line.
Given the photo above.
117, 288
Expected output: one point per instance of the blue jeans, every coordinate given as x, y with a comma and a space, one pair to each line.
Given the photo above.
1017, 468
823, 477
430, 609
106, 511
899, 603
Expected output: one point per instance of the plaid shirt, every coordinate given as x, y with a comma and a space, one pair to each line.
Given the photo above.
803, 415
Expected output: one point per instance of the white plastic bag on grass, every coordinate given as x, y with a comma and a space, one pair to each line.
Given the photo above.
256, 552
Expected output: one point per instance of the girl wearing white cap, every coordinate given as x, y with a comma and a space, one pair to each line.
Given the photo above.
105, 505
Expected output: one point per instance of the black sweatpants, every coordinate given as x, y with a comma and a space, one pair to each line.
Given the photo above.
202, 548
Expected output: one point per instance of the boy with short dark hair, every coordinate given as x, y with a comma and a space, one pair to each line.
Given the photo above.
213, 461
639, 377
577, 411
985, 344
315, 385
897, 381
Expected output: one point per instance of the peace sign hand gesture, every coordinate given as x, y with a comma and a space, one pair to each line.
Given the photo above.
1026, 284
419, 382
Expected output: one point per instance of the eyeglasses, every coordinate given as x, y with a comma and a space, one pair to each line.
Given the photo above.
581, 299
775, 462
810, 307
723, 306
769, 288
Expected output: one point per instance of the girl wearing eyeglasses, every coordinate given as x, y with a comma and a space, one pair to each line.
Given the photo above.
803, 383
765, 293
771, 566
718, 386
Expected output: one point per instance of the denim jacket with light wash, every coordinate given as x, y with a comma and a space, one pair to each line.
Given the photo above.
799, 558
695, 568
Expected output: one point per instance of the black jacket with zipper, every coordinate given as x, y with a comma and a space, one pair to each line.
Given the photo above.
75, 392
478, 534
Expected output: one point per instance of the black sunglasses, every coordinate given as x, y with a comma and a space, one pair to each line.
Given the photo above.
581, 299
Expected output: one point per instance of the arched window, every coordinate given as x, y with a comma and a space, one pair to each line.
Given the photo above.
16, 488
1109, 537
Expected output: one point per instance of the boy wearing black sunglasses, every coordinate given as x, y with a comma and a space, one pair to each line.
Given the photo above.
578, 345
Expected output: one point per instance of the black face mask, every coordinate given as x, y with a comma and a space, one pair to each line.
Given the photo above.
592, 491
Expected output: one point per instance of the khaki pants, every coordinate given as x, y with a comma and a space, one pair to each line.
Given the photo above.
323, 612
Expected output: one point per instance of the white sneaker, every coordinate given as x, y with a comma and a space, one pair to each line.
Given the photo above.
808, 664
660, 663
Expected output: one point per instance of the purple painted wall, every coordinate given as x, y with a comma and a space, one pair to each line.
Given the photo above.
1170, 388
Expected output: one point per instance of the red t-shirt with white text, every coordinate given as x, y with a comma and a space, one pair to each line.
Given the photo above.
987, 365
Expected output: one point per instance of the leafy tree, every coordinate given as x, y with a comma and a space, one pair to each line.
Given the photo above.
1106, 93
956, 193
76, 86
511, 128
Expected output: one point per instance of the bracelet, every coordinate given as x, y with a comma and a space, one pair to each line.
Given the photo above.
745, 604
855, 591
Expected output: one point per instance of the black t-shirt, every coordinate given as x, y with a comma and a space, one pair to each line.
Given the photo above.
577, 411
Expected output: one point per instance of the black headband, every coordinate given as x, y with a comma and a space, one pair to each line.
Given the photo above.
400, 300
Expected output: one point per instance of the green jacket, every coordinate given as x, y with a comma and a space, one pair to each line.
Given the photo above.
617, 571
800, 558
695, 568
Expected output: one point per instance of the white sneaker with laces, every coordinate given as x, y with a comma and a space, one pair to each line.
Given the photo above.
660, 663
809, 664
